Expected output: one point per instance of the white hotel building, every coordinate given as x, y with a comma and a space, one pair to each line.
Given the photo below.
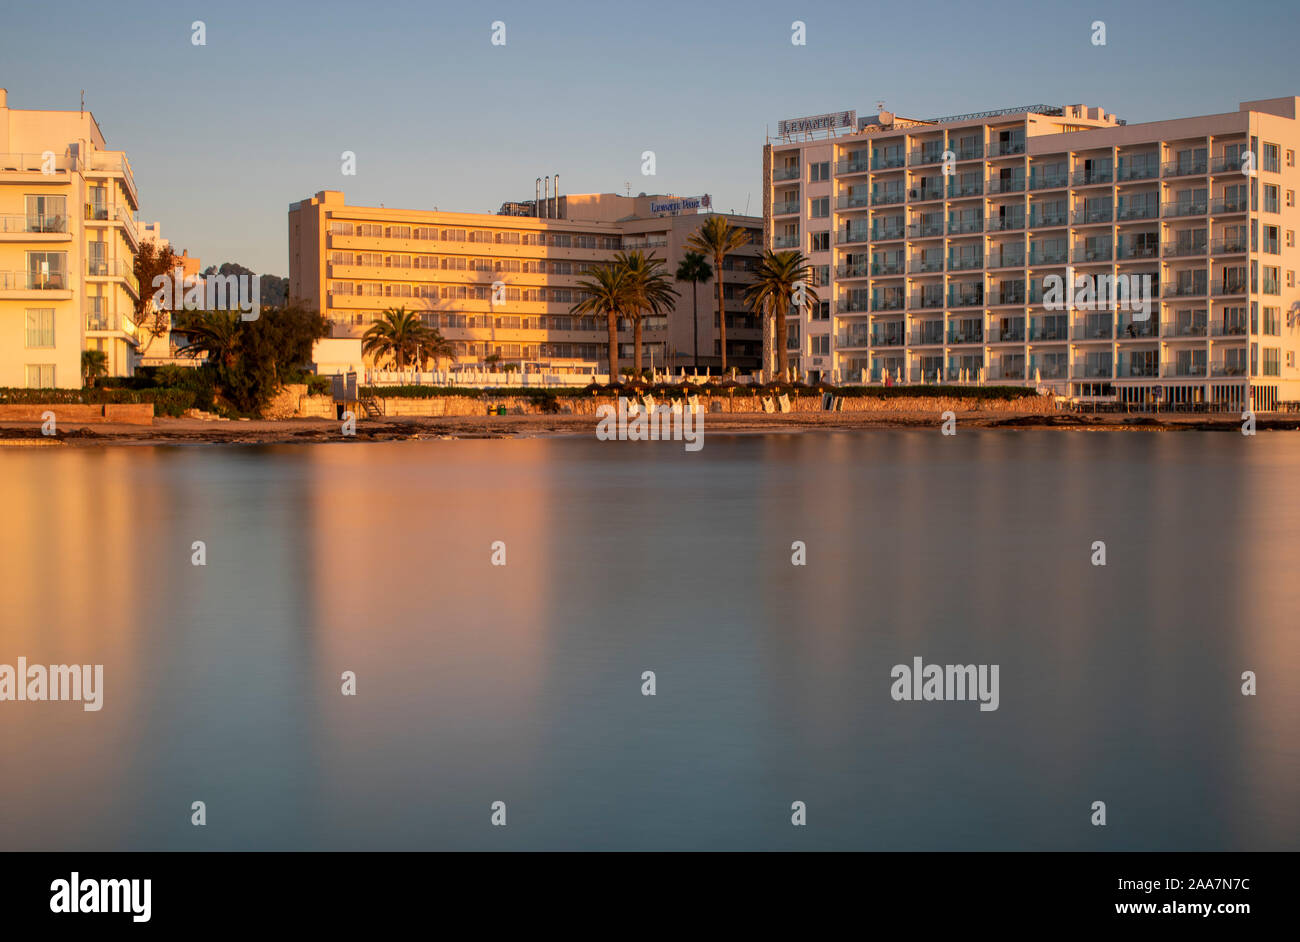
930, 267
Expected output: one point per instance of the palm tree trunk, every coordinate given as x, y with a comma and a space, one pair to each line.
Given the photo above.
695, 320
611, 321
722, 316
636, 346
782, 357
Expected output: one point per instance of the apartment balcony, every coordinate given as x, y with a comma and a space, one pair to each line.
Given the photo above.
34, 228
787, 242
1010, 335
1129, 174
852, 201
1102, 253
1228, 330
1093, 332
1092, 217
113, 268
885, 233
1225, 206
1005, 372
1047, 332
1092, 371
1226, 165
1132, 329
957, 190
110, 323
785, 209
1010, 185
1141, 211
1092, 177
1129, 253
887, 161
927, 155
1138, 370
785, 173
887, 339
1185, 168
995, 297
1006, 259
885, 269
966, 298
927, 301
1227, 369
113, 162
889, 302
34, 281
969, 152
1047, 220
1051, 180
852, 305
853, 271
1183, 329
1006, 148
854, 165
925, 266
925, 230
887, 197
1006, 223
1182, 249
1233, 287
1192, 370
1185, 208
924, 194
1047, 256
965, 335
1229, 247
965, 263
1190, 289
852, 340
965, 227
930, 336
1040, 371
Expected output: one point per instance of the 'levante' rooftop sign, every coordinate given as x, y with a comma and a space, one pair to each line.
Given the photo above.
820, 122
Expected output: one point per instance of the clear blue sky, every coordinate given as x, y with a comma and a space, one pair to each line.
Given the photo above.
223, 137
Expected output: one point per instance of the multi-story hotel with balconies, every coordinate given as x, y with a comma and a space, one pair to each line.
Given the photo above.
352, 262
931, 241
67, 248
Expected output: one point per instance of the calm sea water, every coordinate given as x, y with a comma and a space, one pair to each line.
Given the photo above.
523, 683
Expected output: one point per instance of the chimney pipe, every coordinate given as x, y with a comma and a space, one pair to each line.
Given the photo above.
557, 196
537, 198
546, 197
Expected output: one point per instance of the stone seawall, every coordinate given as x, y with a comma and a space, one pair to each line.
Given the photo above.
66, 413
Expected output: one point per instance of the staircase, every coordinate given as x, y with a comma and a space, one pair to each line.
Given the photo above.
374, 408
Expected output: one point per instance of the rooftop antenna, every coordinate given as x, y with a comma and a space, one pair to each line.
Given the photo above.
880, 105
627, 188
746, 204
83, 101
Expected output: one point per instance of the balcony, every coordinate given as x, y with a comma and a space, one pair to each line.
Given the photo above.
965, 226
969, 151
927, 300
112, 268
887, 161
1103, 370
1041, 332
1089, 217
963, 335
851, 305
999, 296
924, 266
1228, 369
957, 190
1182, 249
966, 298
1049, 180
1008, 185
1229, 246
925, 230
1185, 208
1227, 165
1138, 369
883, 233
786, 242
1093, 332
927, 155
860, 270
1128, 252
1193, 369
929, 335
1234, 205
887, 302
34, 224
852, 201
853, 339
923, 194
1008, 371
785, 173
1006, 148
34, 281
121, 323
1229, 329
1234, 286
1048, 371
1092, 177
1006, 223
1096, 253
1184, 328
1010, 335
1006, 259
1140, 211
1183, 289
788, 208
1184, 168
887, 197
965, 263
1039, 256
1132, 329
853, 165
889, 338
1146, 171
113, 162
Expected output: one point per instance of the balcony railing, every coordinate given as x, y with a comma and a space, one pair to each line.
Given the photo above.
1099, 253
1006, 223
925, 230
1229, 330
1007, 259
965, 263
785, 173
1046, 256
1229, 246
969, 151
1193, 369
37, 223
927, 300
1183, 289
1000, 371
957, 190
887, 232
785, 242
965, 335
893, 267
36, 163
1237, 205
1130, 329
1129, 252
1183, 329
927, 155
1103, 370
928, 337
1140, 211
1039, 332
851, 306
785, 209
965, 226
996, 296
1090, 177
860, 270
966, 298
853, 165
1182, 249
925, 265
33, 281
922, 194
1086, 217
852, 339
1010, 335
1185, 208
1184, 168
888, 302
1009, 185
1234, 286
1093, 332
1227, 164
1006, 148
887, 339
887, 197
1148, 171
852, 201
1228, 369
1049, 180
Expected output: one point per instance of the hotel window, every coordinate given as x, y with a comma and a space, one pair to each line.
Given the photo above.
821, 275
508, 238
397, 261
1272, 163
341, 287
821, 208
47, 269
1270, 243
1272, 281
40, 327
1290, 198
453, 235
479, 235
1273, 321
1290, 238
1290, 157
819, 241
820, 344
822, 312
1290, 278
424, 261
819, 172
1270, 198
341, 228
1272, 361
370, 230
399, 232
561, 240
453, 263
792, 336
370, 289
40, 376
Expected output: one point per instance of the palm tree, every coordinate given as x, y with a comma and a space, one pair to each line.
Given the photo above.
651, 294
607, 291
399, 335
718, 238
215, 333
694, 267
436, 348
781, 276
94, 364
